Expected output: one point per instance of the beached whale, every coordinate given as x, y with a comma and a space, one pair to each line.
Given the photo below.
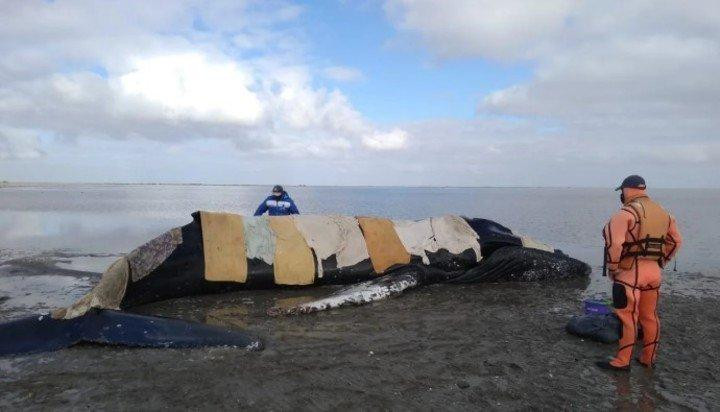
220, 252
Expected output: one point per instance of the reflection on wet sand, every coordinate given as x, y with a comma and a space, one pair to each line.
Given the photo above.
233, 317
286, 303
635, 393
29, 295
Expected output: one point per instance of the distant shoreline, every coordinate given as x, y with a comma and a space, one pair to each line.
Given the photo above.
10, 184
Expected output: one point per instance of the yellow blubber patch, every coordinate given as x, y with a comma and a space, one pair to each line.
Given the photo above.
383, 243
293, 263
224, 247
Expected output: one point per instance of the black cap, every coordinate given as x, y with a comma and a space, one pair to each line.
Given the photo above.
632, 181
278, 189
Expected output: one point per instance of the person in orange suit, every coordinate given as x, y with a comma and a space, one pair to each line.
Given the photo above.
640, 239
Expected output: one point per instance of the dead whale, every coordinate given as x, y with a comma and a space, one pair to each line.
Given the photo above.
221, 252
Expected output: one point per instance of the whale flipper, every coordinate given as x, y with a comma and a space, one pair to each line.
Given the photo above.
109, 327
359, 294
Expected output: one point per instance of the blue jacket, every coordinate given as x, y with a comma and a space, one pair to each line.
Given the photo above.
277, 207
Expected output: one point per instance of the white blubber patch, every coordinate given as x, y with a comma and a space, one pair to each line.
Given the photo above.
259, 239
531, 243
417, 236
333, 235
451, 233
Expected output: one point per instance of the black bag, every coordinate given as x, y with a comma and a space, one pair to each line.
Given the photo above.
600, 328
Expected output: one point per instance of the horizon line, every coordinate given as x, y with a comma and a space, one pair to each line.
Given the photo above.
7, 183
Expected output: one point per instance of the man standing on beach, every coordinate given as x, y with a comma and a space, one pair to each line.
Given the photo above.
640, 239
278, 203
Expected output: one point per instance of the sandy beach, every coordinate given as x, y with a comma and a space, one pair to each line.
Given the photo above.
498, 346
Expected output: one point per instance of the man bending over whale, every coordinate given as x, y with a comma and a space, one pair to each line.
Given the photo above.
278, 203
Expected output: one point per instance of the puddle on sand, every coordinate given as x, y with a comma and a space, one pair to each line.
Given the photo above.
39, 282
28, 295
96, 264
688, 284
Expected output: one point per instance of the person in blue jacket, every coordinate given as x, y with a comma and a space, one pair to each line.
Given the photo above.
277, 204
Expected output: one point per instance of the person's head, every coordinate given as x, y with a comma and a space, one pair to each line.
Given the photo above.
278, 191
632, 187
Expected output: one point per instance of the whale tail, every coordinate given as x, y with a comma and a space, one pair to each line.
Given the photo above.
44, 333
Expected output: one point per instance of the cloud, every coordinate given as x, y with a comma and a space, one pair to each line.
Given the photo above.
392, 140
189, 86
190, 70
19, 144
343, 74
231, 88
497, 29
619, 82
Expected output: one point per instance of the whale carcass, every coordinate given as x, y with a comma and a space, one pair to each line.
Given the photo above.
221, 252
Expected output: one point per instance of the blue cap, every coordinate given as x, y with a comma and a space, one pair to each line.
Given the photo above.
632, 181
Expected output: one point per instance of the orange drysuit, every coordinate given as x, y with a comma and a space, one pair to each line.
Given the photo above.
636, 289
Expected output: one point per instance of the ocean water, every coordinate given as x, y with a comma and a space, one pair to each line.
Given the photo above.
85, 227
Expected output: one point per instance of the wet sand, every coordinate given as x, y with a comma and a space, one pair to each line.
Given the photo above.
497, 346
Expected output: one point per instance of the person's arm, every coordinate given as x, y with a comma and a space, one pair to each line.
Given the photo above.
615, 233
293, 209
262, 208
672, 241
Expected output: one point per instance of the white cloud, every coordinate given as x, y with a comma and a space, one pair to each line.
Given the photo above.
19, 144
177, 71
619, 82
393, 140
343, 74
230, 88
498, 29
189, 86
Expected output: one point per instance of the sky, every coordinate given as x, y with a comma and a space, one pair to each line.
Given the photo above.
393, 92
